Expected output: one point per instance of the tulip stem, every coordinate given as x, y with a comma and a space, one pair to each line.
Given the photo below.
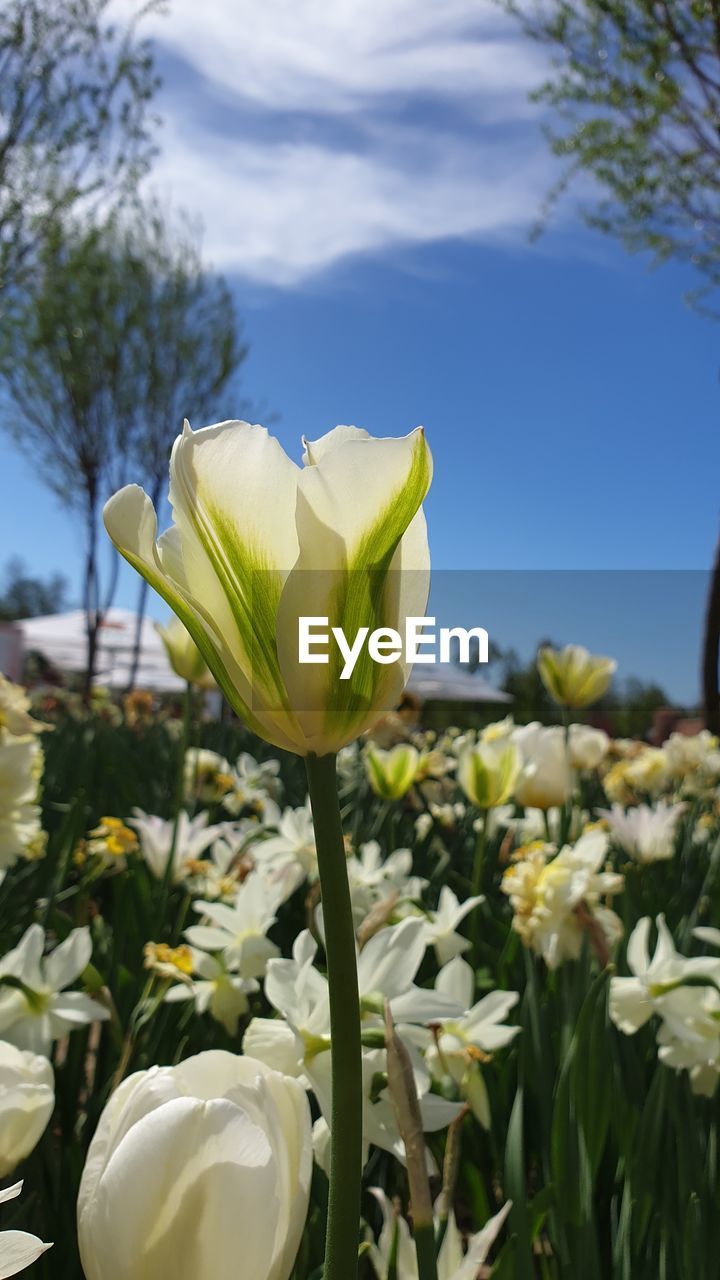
343, 1224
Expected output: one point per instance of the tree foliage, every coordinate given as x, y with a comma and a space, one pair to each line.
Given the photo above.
26, 596
122, 335
635, 90
74, 95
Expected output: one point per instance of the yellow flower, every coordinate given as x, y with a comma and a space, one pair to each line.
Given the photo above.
112, 840
572, 676
168, 962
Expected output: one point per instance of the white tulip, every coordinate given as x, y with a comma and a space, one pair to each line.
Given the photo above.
546, 779
588, 746
259, 543
198, 1170
27, 1098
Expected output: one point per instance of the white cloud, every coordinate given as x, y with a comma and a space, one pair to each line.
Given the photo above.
315, 139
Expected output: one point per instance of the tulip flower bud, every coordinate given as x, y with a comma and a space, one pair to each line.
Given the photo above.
183, 654
259, 544
572, 676
392, 773
488, 772
202, 1169
27, 1098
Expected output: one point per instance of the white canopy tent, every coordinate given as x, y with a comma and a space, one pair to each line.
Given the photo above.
62, 640
449, 683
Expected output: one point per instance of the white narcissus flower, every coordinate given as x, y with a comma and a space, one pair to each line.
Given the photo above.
459, 1043
239, 931
452, 1262
183, 654
689, 754
15, 715
27, 1098
255, 785
18, 1249
441, 925
646, 833
391, 773
207, 776
658, 983
546, 780
546, 893
201, 1169
21, 767
289, 857
489, 771
684, 992
258, 542
300, 1045
574, 677
215, 989
35, 1008
193, 837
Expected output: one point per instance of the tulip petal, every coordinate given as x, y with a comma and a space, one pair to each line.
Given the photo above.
190, 1189
18, 1249
363, 562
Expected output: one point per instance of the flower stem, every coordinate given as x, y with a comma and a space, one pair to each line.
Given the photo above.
341, 1242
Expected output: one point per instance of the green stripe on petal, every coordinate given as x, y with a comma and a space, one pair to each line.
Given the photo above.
131, 523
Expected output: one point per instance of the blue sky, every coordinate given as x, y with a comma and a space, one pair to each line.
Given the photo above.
367, 175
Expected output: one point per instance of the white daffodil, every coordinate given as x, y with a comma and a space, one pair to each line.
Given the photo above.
193, 837
684, 992
546, 780
258, 543
395, 1242
574, 677
215, 989
21, 767
441, 925
202, 1169
18, 1249
646, 833
301, 1044
288, 858
658, 985
27, 1098
549, 895
207, 776
693, 758
35, 1008
254, 784
461, 1044
15, 718
373, 878
239, 931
